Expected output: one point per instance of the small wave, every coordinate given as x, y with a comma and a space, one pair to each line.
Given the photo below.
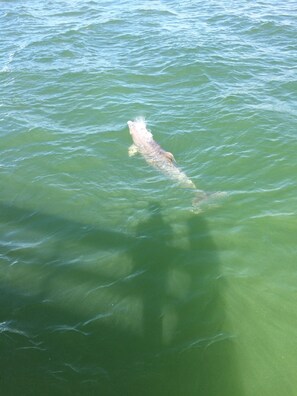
268, 214
156, 6
66, 328
91, 370
100, 316
277, 107
8, 64
10, 327
207, 341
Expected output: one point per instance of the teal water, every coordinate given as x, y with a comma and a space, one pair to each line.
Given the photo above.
110, 283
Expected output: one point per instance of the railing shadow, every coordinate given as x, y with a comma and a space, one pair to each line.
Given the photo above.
157, 329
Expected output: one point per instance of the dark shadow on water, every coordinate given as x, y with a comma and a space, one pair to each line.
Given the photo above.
174, 295
152, 256
190, 351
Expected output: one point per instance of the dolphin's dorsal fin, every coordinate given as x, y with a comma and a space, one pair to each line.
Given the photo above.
170, 156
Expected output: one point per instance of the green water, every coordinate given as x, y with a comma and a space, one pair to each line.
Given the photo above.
111, 284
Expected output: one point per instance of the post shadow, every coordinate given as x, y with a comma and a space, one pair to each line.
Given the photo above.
152, 255
207, 361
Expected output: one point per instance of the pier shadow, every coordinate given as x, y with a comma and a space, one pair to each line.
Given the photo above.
152, 256
158, 330
190, 349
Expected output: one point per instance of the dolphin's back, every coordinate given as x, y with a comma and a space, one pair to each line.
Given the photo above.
154, 154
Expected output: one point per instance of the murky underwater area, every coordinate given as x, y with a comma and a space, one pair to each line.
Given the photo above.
111, 281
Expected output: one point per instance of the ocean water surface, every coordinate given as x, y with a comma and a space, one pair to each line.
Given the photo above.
111, 282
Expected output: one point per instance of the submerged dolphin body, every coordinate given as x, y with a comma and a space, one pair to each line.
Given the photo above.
154, 155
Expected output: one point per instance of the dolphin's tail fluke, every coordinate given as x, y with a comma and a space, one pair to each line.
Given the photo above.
204, 200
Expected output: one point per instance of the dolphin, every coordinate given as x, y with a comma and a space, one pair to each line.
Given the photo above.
153, 153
